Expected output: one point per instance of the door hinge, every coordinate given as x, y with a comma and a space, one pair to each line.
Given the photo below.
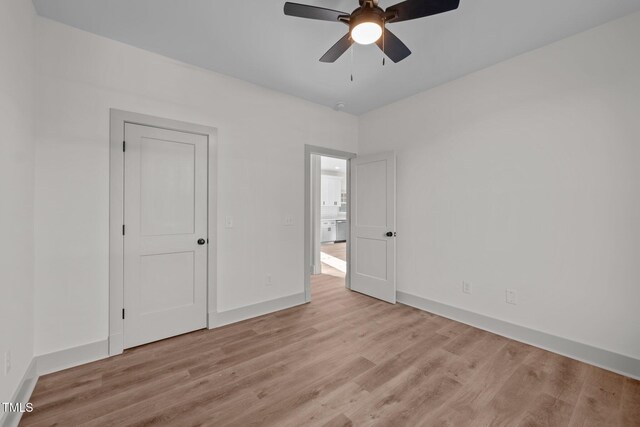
124, 146
123, 313
123, 229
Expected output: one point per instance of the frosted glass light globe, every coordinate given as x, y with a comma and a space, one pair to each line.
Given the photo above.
366, 33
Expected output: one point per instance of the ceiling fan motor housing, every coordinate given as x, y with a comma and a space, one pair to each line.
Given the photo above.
367, 23
367, 13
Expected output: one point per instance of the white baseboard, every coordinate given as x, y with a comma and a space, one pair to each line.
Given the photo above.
243, 313
68, 358
602, 358
605, 359
22, 395
48, 363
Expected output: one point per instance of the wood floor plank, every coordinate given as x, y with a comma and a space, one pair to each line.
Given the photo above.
338, 250
344, 359
600, 398
545, 411
324, 409
565, 377
279, 408
416, 395
84, 408
469, 402
464, 341
395, 364
339, 420
514, 398
630, 410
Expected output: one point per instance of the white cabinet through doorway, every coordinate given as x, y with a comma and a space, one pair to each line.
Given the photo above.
331, 191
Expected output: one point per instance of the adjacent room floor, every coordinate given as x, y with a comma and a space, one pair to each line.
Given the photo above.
337, 250
343, 359
334, 261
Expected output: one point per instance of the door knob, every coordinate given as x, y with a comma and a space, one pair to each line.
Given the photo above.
389, 234
201, 241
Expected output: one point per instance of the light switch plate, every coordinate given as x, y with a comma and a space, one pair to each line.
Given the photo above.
466, 288
228, 222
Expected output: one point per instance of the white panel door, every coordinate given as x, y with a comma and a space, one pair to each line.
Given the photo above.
165, 240
373, 221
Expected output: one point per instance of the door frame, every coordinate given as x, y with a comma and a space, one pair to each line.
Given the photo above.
308, 263
118, 119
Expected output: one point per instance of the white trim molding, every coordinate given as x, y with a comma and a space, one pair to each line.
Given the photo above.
71, 357
250, 311
599, 357
118, 119
87, 353
21, 395
49, 363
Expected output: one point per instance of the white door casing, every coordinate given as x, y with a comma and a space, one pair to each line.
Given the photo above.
373, 216
165, 214
312, 195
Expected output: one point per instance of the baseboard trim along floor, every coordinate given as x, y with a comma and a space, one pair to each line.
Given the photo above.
303, 366
243, 313
70, 357
621, 364
599, 357
75, 356
602, 358
22, 395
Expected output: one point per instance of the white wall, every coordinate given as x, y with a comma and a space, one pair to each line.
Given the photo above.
261, 172
525, 175
17, 43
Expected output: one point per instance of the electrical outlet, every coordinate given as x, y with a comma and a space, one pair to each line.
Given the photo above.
288, 220
511, 296
228, 222
466, 288
268, 281
7, 362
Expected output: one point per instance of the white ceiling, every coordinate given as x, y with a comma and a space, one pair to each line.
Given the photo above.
254, 41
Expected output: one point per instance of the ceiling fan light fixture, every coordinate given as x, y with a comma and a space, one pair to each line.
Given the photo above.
368, 23
366, 32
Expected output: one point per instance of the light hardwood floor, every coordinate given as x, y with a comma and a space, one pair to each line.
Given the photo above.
344, 359
338, 250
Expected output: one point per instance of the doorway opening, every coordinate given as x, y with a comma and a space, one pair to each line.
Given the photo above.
333, 222
370, 222
327, 219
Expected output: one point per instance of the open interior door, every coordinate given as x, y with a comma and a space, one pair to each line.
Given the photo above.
373, 221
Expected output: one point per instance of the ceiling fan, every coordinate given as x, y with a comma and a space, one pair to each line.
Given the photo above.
368, 23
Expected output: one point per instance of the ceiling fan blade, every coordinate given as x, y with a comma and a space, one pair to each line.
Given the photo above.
312, 12
392, 46
338, 49
414, 9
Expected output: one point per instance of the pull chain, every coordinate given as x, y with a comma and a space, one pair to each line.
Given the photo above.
383, 52
352, 49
